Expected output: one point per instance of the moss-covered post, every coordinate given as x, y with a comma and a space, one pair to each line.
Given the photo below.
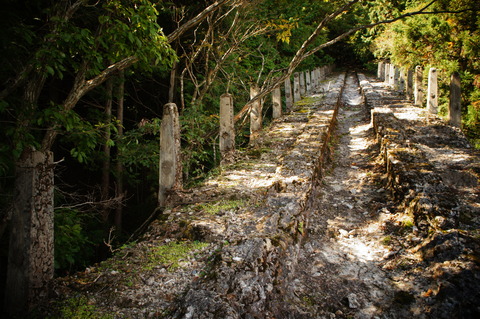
418, 86
277, 103
227, 128
296, 87
455, 106
288, 94
432, 91
255, 115
31, 256
170, 175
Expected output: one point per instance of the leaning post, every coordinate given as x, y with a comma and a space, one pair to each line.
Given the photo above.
277, 103
227, 128
409, 84
170, 174
455, 106
418, 86
432, 92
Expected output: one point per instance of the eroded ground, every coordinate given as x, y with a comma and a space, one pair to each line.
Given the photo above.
373, 221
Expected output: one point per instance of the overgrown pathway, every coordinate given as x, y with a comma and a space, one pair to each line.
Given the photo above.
307, 224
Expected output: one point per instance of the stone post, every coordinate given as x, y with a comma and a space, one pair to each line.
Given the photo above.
308, 84
391, 75
227, 128
255, 115
277, 103
409, 84
288, 94
432, 92
170, 175
296, 87
314, 80
381, 71
418, 86
387, 73
30, 254
401, 80
302, 83
321, 73
455, 106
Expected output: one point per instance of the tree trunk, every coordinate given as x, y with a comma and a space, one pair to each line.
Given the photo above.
119, 166
31, 255
105, 188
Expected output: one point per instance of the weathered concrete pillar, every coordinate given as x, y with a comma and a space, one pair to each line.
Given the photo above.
302, 83
409, 84
288, 94
455, 106
321, 73
401, 80
391, 75
418, 86
432, 92
296, 87
255, 115
387, 73
314, 80
277, 103
170, 175
381, 71
227, 128
308, 86
31, 255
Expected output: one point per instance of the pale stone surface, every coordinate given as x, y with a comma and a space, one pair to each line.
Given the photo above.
288, 94
256, 117
277, 103
418, 86
227, 128
432, 91
296, 87
170, 175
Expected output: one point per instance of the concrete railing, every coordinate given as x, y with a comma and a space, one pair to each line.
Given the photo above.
170, 177
411, 83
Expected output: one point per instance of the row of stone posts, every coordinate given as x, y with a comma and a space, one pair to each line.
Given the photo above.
411, 82
170, 175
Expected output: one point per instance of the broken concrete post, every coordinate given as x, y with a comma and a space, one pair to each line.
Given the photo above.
409, 84
381, 70
288, 94
31, 255
255, 115
302, 83
277, 103
170, 175
296, 87
418, 86
308, 86
455, 106
432, 92
227, 128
